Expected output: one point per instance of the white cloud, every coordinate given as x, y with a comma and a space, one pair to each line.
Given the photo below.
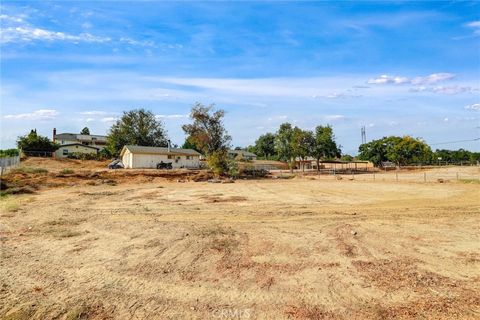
15, 29
426, 80
449, 90
475, 25
8, 18
475, 106
133, 42
433, 78
42, 114
29, 34
386, 79
452, 90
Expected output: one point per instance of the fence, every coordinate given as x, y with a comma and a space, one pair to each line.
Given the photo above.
442, 174
9, 162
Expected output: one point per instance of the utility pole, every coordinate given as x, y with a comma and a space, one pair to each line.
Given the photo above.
364, 136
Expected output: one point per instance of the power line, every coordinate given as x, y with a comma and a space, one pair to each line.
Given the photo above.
451, 142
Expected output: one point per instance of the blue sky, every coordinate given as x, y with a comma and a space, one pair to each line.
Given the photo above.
397, 68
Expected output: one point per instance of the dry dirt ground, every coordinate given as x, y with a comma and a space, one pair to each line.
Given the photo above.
308, 248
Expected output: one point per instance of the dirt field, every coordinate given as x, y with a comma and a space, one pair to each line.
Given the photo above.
162, 247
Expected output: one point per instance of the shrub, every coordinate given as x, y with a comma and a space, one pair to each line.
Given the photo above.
217, 161
67, 171
233, 169
252, 172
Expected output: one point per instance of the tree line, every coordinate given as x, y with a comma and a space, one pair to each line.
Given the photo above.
407, 150
290, 144
207, 134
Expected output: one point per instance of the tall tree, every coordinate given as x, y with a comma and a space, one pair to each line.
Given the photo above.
85, 131
324, 146
265, 146
284, 144
400, 150
208, 133
35, 142
136, 127
303, 143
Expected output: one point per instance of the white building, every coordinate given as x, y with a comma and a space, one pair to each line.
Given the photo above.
97, 141
74, 148
137, 157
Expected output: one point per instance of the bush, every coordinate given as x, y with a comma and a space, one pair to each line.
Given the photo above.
233, 169
252, 172
67, 171
217, 161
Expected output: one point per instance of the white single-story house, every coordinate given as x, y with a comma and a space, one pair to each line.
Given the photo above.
137, 157
66, 149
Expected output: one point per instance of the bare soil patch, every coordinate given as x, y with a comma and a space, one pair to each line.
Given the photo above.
146, 246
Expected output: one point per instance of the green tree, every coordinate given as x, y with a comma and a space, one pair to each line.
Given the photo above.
284, 144
208, 133
136, 127
324, 146
188, 145
85, 131
456, 156
264, 146
409, 150
302, 144
35, 142
400, 150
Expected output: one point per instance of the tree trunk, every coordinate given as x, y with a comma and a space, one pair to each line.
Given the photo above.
318, 164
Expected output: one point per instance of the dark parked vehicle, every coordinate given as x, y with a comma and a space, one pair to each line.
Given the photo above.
164, 165
116, 164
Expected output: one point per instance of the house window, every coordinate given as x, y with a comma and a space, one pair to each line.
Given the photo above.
170, 156
189, 157
65, 152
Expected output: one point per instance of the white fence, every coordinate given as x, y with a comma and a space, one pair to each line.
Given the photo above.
9, 162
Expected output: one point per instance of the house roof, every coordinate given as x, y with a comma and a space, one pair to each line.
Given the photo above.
80, 137
76, 144
243, 152
158, 150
